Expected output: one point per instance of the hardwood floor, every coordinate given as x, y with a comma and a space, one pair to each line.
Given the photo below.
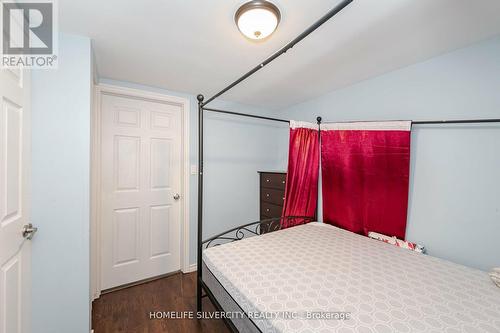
128, 310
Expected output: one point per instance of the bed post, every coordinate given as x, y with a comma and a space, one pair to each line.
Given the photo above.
200, 99
318, 121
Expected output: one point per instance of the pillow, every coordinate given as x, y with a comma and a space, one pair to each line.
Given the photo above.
495, 276
398, 242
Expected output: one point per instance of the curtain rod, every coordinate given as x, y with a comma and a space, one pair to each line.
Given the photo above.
429, 122
455, 121
285, 48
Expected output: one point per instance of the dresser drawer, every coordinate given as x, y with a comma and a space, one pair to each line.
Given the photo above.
273, 180
269, 210
272, 195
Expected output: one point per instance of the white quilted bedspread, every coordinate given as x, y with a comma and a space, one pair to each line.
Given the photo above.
317, 267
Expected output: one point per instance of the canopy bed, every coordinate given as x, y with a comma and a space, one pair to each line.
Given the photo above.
319, 267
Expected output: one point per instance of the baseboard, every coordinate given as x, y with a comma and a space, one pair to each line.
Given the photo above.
95, 296
189, 269
136, 283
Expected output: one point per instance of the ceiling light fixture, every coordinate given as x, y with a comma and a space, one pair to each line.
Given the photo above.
257, 19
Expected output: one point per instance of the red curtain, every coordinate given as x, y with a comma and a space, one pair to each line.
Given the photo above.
365, 171
301, 193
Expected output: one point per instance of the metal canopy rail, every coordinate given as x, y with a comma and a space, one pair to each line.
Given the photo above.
202, 107
246, 115
456, 121
283, 50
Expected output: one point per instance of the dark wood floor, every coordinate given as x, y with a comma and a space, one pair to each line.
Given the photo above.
128, 310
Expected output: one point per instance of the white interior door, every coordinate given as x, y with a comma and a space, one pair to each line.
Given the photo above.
140, 189
15, 252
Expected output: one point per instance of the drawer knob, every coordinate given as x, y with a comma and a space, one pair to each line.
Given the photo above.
267, 195
267, 210
267, 180
283, 182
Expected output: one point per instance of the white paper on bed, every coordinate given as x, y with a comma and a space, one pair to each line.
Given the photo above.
317, 267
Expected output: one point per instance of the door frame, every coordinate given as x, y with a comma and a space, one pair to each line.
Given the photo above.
95, 202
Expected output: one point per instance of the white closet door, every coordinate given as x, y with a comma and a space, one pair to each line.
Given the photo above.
15, 254
141, 183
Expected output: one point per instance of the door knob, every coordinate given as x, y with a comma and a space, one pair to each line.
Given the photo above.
29, 231
177, 196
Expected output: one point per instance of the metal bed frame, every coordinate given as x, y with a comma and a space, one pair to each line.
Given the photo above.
259, 227
251, 229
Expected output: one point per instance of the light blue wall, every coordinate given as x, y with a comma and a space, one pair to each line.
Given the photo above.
235, 148
455, 180
61, 109
455, 184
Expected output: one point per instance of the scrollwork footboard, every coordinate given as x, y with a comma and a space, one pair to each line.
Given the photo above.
254, 229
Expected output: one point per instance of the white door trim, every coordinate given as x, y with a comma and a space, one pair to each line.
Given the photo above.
100, 89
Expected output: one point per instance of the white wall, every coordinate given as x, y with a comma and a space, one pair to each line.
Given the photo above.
61, 106
235, 148
455, 181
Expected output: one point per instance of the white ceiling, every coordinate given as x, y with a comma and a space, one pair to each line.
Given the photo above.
194, 46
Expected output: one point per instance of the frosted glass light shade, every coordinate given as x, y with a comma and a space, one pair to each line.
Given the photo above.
257, 19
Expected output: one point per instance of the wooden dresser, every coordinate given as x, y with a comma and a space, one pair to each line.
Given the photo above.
272, 193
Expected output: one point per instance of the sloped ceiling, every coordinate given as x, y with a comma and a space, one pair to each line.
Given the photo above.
194, 46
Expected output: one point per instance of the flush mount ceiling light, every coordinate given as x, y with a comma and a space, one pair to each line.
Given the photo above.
257, 19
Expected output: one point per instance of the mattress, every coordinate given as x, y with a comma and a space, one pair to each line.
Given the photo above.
319, 278
242, 323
